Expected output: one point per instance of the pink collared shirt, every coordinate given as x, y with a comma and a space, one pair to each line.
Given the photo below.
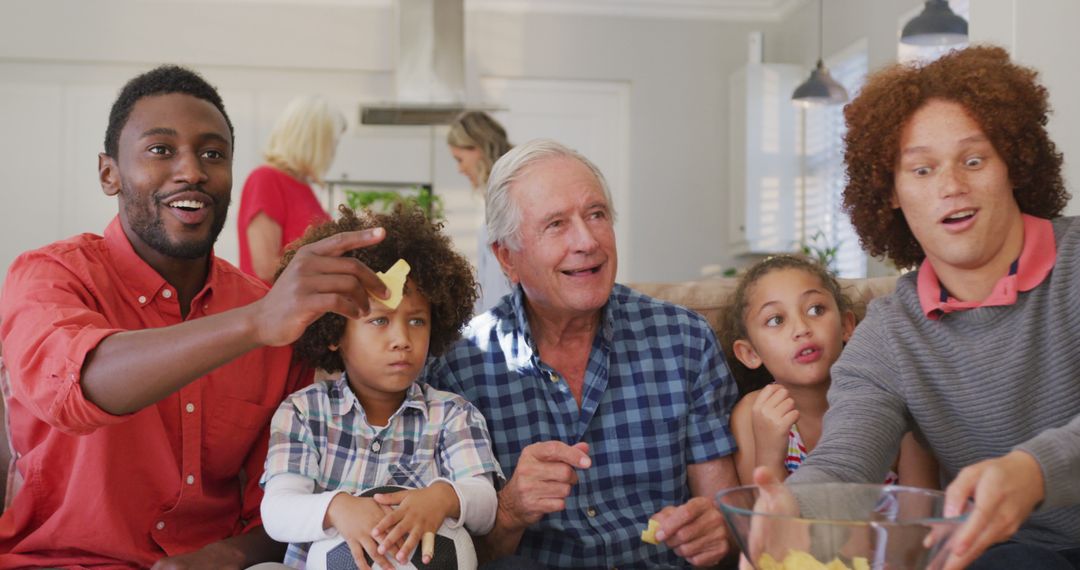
1036, 260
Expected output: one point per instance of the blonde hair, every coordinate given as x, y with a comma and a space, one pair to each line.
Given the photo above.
477, 130
305, 138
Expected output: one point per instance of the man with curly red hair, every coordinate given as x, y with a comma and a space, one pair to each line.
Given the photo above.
951, 172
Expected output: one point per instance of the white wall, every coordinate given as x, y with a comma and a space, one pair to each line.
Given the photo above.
1041, 35
678, 73
845, 22
62, 62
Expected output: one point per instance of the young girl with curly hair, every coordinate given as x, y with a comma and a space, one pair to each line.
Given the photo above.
786, 325
377, 424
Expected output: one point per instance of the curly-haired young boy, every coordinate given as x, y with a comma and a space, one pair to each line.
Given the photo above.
377, 424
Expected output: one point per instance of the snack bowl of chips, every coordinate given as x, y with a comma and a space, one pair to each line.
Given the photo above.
838, 526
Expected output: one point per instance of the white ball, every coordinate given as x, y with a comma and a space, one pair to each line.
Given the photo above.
454, 548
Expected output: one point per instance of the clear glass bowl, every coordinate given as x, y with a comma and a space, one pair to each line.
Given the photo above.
832, 526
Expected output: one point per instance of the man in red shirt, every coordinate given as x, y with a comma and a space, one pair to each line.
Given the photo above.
143, 369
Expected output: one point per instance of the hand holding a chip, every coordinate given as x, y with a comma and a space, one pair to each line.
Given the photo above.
695, 530
319, 279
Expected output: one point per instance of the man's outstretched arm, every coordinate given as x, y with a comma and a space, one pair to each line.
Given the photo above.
130, 370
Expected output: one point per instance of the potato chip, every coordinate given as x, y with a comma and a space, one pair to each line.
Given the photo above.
394, 279
649, 534
800, 560
767, 562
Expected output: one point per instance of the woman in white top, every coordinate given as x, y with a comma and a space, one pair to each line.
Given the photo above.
477, 141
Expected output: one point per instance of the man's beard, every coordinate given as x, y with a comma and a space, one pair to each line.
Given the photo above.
145, 220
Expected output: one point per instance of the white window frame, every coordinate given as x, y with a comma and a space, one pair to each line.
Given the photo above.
823, 221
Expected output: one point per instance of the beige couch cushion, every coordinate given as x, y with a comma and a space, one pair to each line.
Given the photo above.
708, 296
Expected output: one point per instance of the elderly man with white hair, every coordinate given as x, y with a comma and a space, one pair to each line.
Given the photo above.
607, 408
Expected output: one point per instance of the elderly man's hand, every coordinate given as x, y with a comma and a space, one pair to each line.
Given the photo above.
695, 531
1006, 489
543, 478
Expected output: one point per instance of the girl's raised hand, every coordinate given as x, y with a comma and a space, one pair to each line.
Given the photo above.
772, 415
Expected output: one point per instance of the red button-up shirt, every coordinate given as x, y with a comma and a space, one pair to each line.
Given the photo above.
123, 491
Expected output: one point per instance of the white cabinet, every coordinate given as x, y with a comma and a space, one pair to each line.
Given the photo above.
764, 166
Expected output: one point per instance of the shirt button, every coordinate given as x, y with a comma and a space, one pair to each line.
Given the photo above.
553, 377
591, 512
160, 525
190, 407
142, 299
190, 479
376, 446
166, 293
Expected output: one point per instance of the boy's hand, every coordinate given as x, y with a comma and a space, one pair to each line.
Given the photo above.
418, 511
354, 518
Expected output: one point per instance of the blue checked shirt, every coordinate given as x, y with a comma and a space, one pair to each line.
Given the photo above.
322, 433
657, 396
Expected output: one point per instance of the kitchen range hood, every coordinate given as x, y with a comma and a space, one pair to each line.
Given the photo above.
430, 70
409, 114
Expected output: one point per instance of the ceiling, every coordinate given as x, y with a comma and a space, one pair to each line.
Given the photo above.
730, 10
735, 10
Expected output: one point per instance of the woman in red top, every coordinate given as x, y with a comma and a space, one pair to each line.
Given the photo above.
277, 203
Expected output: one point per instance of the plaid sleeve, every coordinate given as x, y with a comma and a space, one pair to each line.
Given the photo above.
439, 376
292, 446
465, 445
713, 393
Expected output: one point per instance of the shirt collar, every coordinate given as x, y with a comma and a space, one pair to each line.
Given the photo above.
521, 321
1036, 260
138, 274
342, 400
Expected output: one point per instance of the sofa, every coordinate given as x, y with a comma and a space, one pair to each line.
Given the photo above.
708, 296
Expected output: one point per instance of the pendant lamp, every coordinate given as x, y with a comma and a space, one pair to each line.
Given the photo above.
820, 88
937, 25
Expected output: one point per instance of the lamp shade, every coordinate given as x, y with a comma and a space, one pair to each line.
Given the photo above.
820, 89
937, 25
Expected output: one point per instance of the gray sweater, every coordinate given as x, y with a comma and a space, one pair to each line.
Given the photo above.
974, 385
